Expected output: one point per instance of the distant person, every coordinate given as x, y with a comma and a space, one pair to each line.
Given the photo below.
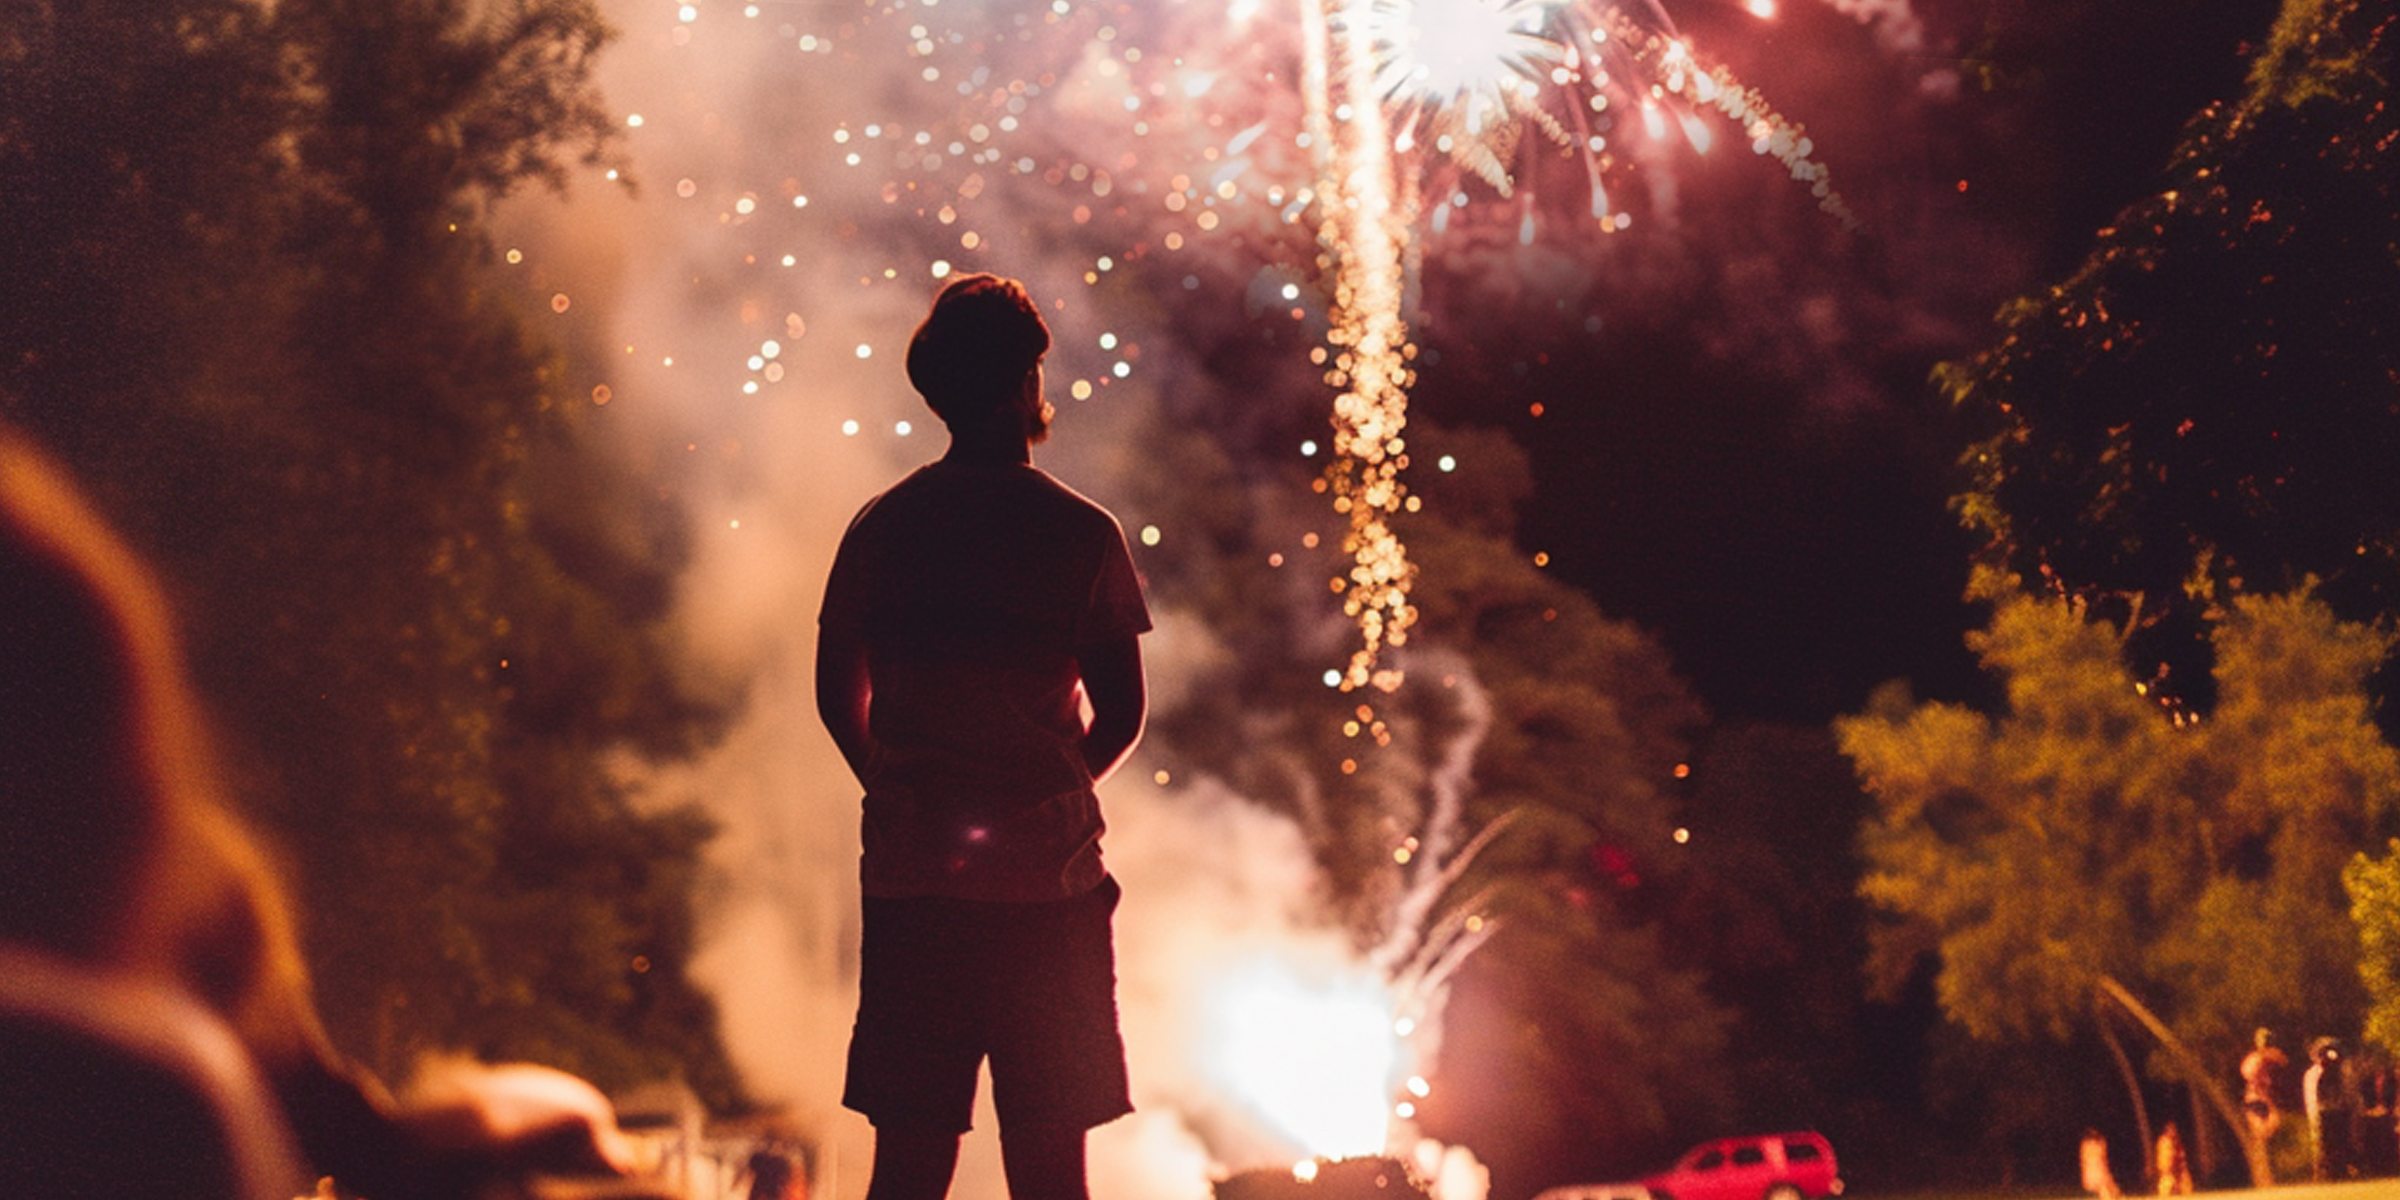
2097, 1178
2325, 1094
974, 610
770, 1171
157, 1026
2174, 1168
2378, 1137
2262, 1084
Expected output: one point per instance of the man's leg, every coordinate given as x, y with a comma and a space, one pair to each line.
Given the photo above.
1043, 1162
913, 1163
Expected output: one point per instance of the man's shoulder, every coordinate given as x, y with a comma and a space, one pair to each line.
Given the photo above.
1024, 487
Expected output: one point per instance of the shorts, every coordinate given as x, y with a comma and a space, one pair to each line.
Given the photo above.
945, 983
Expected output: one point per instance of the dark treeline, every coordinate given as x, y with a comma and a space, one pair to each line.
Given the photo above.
243, 294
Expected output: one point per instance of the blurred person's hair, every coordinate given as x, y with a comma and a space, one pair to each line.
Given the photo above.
970, 356
117, 849
124, 870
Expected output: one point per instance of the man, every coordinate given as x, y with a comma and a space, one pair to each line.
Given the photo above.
2325, 1093
2262, 1084
974, 610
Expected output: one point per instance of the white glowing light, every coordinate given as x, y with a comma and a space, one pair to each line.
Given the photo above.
1150, 535
865, 350
1447, 464
849, 429
1312, 1057
903, 428
1463, 52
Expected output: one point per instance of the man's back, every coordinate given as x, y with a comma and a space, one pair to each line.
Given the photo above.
972, 587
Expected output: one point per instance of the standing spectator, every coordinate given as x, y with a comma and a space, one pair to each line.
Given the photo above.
770, 1172
2377, 1139
2097, 1178
2174, 1170
976, 612
2262, 1084
2325, 1093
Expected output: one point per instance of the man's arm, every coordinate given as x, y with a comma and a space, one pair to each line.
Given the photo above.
843, 690
1112, 681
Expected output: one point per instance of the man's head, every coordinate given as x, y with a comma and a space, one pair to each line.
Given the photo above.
977, 357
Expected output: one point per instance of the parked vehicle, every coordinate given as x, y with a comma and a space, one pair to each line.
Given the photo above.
1775, 1166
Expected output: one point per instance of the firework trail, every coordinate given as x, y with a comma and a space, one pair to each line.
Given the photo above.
1363, 230
1387, 80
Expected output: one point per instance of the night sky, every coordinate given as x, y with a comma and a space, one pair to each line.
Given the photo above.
1778, 514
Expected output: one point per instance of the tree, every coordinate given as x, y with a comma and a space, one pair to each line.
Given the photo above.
2203, 407
244, 294
2091, 845
2374, 887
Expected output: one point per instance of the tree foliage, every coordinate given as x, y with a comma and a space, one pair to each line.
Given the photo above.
2205, 406
2374, 887
2090, 837
243, 292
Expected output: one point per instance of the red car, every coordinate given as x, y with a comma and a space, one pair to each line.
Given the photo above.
1775, 1166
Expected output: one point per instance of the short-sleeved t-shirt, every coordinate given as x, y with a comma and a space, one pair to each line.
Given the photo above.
972, 587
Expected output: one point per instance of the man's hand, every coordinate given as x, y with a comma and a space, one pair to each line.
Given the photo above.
843, 689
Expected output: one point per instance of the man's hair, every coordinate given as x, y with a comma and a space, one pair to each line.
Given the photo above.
971, 354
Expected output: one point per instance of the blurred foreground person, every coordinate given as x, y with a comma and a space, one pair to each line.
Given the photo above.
973, 610
157, 1034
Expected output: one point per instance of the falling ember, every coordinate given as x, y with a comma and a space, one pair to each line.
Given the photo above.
1362, 231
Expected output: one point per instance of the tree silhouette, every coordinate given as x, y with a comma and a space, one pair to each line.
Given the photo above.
243, 292
2204, 407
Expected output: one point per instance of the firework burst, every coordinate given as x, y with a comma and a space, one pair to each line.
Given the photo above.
1389, 82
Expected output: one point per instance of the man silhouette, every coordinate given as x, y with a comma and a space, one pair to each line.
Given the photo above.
975, 611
